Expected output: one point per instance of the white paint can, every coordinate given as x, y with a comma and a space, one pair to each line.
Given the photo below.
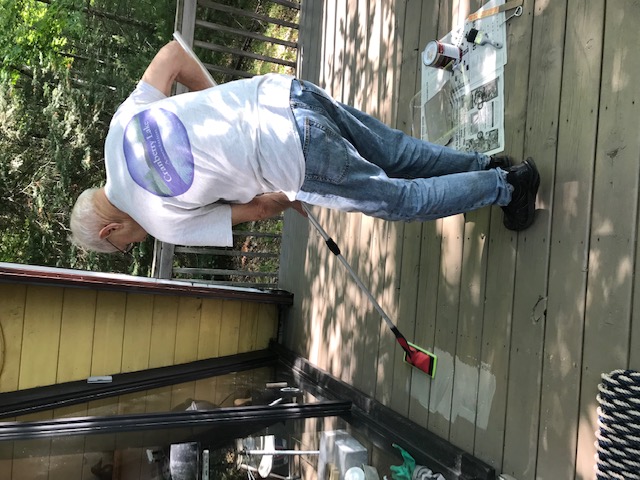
441, 55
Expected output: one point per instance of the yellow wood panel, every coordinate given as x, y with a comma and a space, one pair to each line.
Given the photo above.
209, 344
248, 327
83, 332
163, 344
137, 332
108, 333
230, 329
267, 325
187, 335
163, 331
229, 336
135, 357
188, 329
210, 325
12, 305
41, 337
76, 335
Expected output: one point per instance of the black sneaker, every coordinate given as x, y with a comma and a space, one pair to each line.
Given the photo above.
503, 161
520, 212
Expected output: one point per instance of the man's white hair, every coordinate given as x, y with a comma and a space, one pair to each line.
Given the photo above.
86, 224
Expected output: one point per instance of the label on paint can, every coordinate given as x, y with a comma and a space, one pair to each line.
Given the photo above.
440, 55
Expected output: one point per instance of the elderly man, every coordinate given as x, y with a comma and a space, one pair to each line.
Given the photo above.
186, 168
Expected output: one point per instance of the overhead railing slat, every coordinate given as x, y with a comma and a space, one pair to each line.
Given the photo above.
218, 271
244, 33
226, 253
243, 53
246, 13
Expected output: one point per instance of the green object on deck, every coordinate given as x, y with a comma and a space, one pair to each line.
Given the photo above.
404, 471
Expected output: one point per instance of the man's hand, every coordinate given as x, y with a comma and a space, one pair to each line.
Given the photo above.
263, 206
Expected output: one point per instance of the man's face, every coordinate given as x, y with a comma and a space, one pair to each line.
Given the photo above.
124, 238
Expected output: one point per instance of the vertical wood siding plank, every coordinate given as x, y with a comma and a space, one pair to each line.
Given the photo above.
186, 346
76, 335
267, 326
188, 329
408, 36
532, 262
41, 336
429, 244
163, 331
465, 405
502, 246
108, 333
559, 407
12, 308
613, 252
209, 345
248, 327
137, 332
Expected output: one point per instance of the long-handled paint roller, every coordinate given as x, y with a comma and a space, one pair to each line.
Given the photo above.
413, 355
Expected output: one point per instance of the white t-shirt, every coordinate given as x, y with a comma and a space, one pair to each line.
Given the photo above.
176, 163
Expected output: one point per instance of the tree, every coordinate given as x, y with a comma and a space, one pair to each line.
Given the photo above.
66, 67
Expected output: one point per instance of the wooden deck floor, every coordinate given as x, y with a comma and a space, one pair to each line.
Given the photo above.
523, 324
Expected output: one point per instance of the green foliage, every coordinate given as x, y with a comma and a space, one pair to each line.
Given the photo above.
66, 67
237, 42
35, 33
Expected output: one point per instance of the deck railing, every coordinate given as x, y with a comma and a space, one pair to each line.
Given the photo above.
235, 39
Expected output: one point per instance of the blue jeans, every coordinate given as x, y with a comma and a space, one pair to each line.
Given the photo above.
356, 163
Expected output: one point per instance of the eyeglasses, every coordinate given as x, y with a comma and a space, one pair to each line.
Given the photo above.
125, 251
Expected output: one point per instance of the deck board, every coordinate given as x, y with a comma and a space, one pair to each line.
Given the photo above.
612, 256
570, 225
524, 324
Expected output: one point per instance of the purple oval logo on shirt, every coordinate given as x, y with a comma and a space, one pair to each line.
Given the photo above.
158, 152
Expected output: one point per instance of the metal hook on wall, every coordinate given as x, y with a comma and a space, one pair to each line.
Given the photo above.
516, 13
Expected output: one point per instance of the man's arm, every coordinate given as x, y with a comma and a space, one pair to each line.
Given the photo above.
172, 64
262, 207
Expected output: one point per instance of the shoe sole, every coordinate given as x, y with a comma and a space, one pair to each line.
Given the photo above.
531, 194
531, 198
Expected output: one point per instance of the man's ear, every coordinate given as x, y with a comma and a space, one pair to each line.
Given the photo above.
109, 229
